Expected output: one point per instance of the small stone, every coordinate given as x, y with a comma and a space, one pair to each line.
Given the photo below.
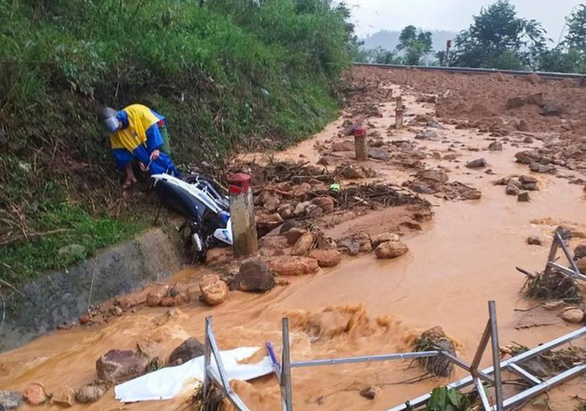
384, 238
253, 276
293, 266
370, 393
213, 290
426, 135
391, 249
326, 203
573, 316
117, 311
10, 400
533, 240
64, 396
148, 348
349, 247
34, 394
286, 211
294, 234
512, 190
495, 146
535, 99
450, 157
523, 126
379, 154
551, 108
503, 181
581, 264
188, 350
523, 197
528, 179
303, 245
353, 173
530, 187
326, 258
516, 102
90, 393
154, 297
301, 209
528, 140
478, 163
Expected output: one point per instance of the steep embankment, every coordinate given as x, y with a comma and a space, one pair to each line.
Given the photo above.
225, 73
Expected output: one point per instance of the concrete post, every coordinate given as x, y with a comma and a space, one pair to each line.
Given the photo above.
360, 143
242, 213
399, 113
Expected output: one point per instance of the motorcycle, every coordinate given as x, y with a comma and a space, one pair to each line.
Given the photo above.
205, 206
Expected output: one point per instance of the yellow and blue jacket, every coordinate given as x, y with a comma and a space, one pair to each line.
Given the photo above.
138, 137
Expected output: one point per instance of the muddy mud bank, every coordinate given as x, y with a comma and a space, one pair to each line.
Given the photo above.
63, 296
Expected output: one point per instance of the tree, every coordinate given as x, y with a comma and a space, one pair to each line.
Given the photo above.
500, 39
576, 37
415, 44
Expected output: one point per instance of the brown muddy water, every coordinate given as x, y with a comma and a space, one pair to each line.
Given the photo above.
466, 256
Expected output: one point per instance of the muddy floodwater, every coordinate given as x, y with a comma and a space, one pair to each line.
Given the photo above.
459, 261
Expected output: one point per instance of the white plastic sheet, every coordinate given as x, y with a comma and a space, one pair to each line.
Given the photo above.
167, 383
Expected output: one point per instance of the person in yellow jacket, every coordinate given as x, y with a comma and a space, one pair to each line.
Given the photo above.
138, 132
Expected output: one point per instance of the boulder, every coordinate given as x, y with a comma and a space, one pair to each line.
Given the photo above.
326, 203
512, 190
534, 240
435, 176
303, 245
34, 394
551, 108
64, 396
155, 297
10, 400
326, 258
391, 249
516, 102
293, 266
523, 197
188, 350
573, 316
478, 163
528, 179
580, 252
253, 276
384, 238
213, 290
119, 366
90, 393
349, 247
363, 240
495, 146
379, 154
535, 99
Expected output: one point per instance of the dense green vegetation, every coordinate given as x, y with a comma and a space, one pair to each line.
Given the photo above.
499, 38
226, 73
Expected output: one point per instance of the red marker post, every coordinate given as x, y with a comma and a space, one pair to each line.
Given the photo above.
360, 143
245, 241
399, 113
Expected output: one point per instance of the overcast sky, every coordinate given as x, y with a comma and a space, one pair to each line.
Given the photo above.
371, 16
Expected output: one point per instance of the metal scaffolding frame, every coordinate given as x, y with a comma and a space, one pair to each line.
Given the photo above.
558, 242
483, 380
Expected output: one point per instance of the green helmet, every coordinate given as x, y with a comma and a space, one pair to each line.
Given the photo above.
109, 119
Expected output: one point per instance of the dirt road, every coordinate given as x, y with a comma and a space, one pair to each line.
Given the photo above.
461, 259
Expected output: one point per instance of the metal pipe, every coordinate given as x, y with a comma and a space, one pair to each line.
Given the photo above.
466, 381
569, 257
286, 389
482, 394
371, 358
543, 74
206, 357
219, 363
232, 396
552, 253
275, 363
465, 366
544, 386
494, 339
481, 347
566, 270
524, 374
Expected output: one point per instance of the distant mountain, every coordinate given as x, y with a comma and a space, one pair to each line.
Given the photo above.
390, 39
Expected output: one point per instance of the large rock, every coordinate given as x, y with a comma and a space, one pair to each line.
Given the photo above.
213, 290
528, 180
434, 176
353, 173
34, 394
379, 154
118, 366
512, 190
391, 249
188, 350
286, 211
426, 135
90, 393
495, 146
155, 297
573, 316
478, 163
294, 266
551, 108
349, 246
301, 209
516, 102
63, 396
326, 258
535, 99
525, 157
303, 245
10, 400
294, 234
384, 238
253, 276
325, 203
581, 264
523, 197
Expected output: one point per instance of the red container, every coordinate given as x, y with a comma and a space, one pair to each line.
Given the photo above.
239, 183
